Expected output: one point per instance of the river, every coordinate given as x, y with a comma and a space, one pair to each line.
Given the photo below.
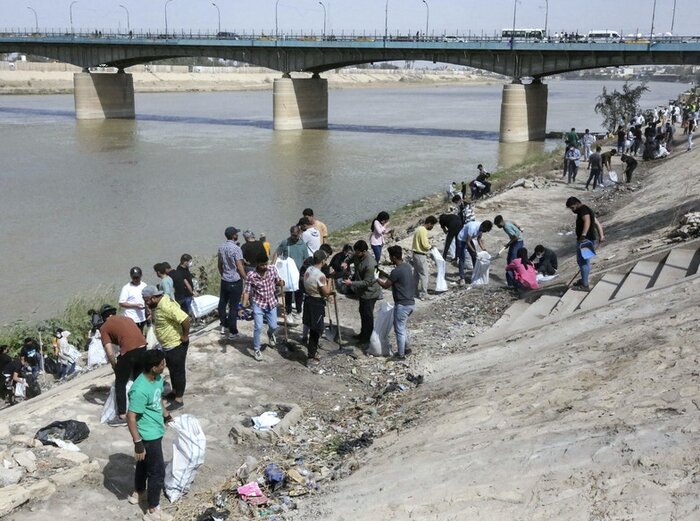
82, 202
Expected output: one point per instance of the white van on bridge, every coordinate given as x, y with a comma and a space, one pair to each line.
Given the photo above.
604, 37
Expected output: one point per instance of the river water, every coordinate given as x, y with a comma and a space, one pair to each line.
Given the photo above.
81, 202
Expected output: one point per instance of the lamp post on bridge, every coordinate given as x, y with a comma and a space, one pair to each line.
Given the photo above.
165, 9
427, 18
546, 16
324, 19
515, 11
70, 13
218, 14
277, 33
36, 19
653, 16
673, 16
386, 21
128, 22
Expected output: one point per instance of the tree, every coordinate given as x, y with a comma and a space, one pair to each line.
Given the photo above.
617, 108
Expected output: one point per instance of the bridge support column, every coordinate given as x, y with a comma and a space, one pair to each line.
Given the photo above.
104, 95
300, 103
524, 112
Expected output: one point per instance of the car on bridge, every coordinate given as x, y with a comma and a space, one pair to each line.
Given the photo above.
223, 35
604, 36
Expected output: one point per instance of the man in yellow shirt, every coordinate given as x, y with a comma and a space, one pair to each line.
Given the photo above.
322, 228
421, 247
173, 333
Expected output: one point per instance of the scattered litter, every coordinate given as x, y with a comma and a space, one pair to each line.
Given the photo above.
689, 227
416, 379
545, 278
68, 430
274, 476
212, 514
252, 494
349, 446
265, 421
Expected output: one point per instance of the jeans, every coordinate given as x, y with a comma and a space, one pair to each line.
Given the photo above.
186, 305
401, 314
151, 471
572, 171
593, 176
271, 317
366, 309
586, 151
421, 274
66, 369
461, 255
230, 295
513, 250
298, 296
175, 361
584, 265
377, 249
128, 368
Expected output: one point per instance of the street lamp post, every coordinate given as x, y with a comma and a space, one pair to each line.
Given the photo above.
673, 16
515, 11
70, 11
218, 14
546, 16
277, 33
36, 19
653, 17
427, 18
128, 22
386, 21
165, 8
324, 18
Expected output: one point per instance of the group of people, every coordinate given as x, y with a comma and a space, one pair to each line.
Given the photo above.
478, 187
598, 162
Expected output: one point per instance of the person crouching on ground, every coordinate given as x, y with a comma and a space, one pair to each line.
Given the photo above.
173, 332
317, 287
588, 232
521, 273
545, 260
630, 166
400, 281
261, 289
365, 287
146, 419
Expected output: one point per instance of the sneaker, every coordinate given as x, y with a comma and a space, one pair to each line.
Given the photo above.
157, 515
223, 330
290, 320
272, 340
258, 356
233, 336
581, 288
117, 422
175, 406
460, 282
135, 498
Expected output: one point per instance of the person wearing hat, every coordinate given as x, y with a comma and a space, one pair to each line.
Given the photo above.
232, 271
121, 332
172, 327
317, 287
130, 299
261, 290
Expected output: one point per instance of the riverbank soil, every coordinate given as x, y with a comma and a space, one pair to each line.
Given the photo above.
597, 418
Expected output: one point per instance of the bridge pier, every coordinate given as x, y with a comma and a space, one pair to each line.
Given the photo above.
523, 112
103, 95
300, 103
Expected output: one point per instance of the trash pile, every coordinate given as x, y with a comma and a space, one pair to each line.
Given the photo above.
688, 228
531, 182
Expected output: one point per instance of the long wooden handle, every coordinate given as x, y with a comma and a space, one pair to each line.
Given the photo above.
337, 319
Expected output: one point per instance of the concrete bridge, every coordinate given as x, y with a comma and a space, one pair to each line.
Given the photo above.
303, 103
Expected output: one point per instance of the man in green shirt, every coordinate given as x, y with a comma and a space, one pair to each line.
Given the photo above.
146, 419
365, 286
173, 332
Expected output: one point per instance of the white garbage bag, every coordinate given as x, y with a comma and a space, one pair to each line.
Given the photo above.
109, 409
452, 250
152, 339
480, 275
188, 454
379, 341
204, 304
96, 352
440, 282
289, 273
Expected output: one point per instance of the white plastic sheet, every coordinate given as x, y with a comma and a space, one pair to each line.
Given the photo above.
188, 455
152, 339
204, 304
288, 273
96, 352
265, 421
480, 275
379, 341
440, 282
109, 410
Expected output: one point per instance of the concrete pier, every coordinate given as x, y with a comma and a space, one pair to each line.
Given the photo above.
300, 103
104, 95
523, 112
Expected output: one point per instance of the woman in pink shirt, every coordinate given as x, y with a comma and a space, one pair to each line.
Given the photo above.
521, 273
379, 230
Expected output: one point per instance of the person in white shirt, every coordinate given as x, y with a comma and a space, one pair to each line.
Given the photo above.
311, 236
131, 301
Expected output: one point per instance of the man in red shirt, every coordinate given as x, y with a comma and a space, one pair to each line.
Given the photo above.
121, 331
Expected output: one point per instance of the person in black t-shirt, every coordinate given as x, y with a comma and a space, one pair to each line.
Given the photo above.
451, 225
4, 357
588, 232
182, 283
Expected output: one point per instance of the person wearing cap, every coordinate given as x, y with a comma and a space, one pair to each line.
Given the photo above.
121, 332
261, 290
232, 271
131, 301
172, 327
317, 287
252, 251
322, 228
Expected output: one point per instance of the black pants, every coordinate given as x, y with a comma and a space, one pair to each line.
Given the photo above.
230, 296
175, 360
628, 173
314, 315
366, 318
151, 472
546, 268
448, 242
298, 297
128, 368
593, 176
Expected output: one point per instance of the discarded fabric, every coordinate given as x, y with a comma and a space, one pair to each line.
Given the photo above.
252, 494
265, 421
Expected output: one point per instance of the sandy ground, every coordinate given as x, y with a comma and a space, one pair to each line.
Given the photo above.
55, 82
594, 419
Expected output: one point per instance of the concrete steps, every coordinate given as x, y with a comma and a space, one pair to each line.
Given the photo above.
652, 272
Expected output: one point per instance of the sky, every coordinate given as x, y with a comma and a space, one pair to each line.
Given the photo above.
358, 16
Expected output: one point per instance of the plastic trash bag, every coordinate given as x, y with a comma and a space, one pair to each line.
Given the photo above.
265, 421
379, 341
274, 476
96, 352
480, 275
188, 454
204, 304
68, 430
20, 389
109, 410
289, 273
440, 282
152, 339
